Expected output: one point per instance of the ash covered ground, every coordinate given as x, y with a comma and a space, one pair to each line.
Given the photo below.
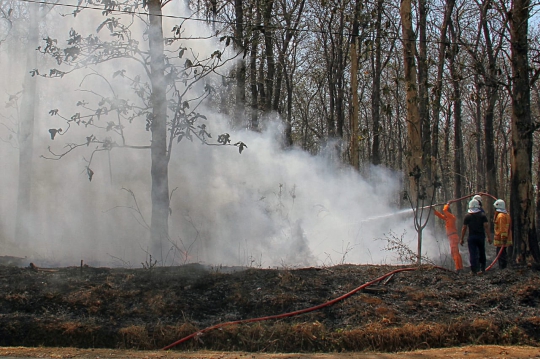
150, 308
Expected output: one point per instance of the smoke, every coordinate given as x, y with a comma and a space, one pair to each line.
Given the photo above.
263, 207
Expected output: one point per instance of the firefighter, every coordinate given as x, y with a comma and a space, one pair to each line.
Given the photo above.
479, 199
451, 232
477, 224
503, 234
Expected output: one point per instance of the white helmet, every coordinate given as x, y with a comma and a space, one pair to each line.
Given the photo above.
499, 205
478, 198
474, 206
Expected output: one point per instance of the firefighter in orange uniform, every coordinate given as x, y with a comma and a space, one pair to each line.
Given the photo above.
451, 232
503, 233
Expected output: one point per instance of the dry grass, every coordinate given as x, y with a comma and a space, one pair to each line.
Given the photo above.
136, 337
150, 310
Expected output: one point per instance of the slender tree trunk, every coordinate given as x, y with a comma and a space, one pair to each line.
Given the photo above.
341, 60
458, 136
376, 92
437, 90
287, 136
269, 52
238, 120
160, 160
26, 133
423, 101
354, 161
445, 171
283, 71
480, 178
492, 93
253, 70
525, 240
260, 82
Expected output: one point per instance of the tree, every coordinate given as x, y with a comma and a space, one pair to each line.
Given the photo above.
415, 164
438, 86
169, 119
26, 130
376, 90
240, 101
414, 124
522, 204
457, 111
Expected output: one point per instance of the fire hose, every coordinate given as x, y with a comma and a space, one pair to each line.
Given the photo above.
329, 303
303, 311
291, 314
461, 198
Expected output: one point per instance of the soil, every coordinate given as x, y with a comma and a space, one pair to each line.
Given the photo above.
469, 352
118, 312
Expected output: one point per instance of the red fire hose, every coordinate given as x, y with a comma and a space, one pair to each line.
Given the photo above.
329, 303
471, 195
495, 260
291, 314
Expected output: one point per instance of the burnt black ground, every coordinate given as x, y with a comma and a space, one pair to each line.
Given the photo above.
150, 308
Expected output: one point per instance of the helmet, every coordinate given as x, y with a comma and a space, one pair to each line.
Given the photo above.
478, 198
473, 204
499, 204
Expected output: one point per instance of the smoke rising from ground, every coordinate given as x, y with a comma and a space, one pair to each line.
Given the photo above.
263, 207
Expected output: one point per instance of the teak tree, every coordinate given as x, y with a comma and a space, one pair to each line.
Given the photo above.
167, 101
522, 204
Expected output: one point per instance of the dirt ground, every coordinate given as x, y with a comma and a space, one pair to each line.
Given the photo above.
426, 312
470, 352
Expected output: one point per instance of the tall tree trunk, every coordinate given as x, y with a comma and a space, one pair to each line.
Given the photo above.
376, 92
492, 92
253, 70
269, 53
525, 240
458, 135
437, 90
423, 101
340, 79
238, 120
287, 135
414, 159
260, 82
414, 123
445, 170
355, 162
282, 68
480, 178
26, 132
159, 226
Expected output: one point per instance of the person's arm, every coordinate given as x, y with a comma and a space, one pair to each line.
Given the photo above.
463, 231
439, 214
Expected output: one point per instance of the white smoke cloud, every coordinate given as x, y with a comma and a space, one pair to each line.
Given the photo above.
263, 207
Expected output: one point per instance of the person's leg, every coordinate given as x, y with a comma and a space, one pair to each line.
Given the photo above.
473, 254
454, 251
482, 254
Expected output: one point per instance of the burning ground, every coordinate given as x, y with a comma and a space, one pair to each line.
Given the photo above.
152, 307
